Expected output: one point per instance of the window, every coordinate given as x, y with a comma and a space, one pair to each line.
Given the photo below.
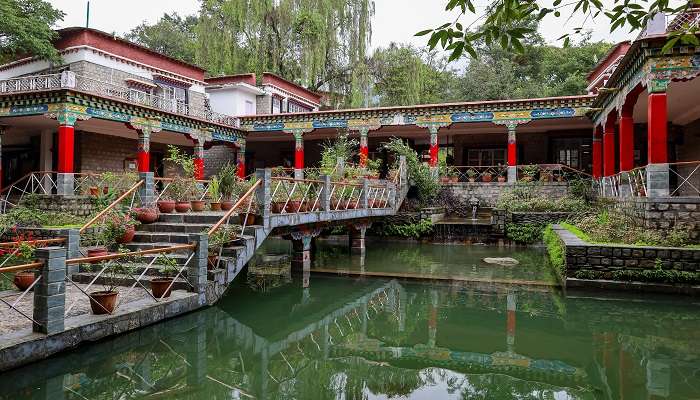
293, 106
568, 157
175, 98
249, 110
486, 157
276, 105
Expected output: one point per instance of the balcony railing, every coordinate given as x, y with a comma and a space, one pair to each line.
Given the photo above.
70, 80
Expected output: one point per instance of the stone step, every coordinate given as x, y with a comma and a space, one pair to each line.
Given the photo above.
125, 280
176, 227
163, 237
206, 217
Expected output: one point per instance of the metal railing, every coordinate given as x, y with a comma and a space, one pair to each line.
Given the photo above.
684, 180
202, 186
129, 193
70, 80
473, 173
550, 173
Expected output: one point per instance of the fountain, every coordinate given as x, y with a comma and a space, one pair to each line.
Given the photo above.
474, 202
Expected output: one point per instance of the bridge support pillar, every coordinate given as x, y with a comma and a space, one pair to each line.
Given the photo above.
197, 266
301, 253
196, 355
357, 239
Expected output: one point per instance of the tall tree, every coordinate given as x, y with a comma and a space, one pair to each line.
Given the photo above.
321, 44
172, 35
25, 28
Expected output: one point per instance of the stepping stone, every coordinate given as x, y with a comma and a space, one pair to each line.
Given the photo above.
504, 261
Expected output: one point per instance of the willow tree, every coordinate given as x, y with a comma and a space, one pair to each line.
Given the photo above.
321, 44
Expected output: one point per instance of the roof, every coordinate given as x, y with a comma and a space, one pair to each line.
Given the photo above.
76, 36
614, 52
248, 78
272, 79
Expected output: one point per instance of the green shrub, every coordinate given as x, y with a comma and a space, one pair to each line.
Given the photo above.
414, 230
524, 233
556, 251
526, 197
426, 185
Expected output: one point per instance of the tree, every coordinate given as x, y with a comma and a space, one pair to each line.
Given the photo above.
502, 22
172, 35
25, 28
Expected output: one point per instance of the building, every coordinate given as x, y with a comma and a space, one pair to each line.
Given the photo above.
114, 105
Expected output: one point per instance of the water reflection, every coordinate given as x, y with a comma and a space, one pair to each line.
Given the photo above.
350, 338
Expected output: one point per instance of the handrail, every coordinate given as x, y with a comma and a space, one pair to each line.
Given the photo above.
23, 267
285, 178
27, 175
233, 209
109, 207
10, 245
80, 260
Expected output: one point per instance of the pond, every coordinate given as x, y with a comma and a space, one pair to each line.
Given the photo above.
349, 337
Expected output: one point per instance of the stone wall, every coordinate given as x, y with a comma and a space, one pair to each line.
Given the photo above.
216, 157
488, 193
541, 218
81, 206
597, 258
663, 213
103, 153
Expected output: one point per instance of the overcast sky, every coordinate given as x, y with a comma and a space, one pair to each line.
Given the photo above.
394, 20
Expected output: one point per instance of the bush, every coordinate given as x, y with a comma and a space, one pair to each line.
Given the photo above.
414, 230
524, 233
556, 251
427, 186
525, 197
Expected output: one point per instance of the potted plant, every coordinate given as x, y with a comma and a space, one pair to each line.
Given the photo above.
529, 172
105, 301
471, 175
486, 176
162, 286
179, 189
501, 175
120, 226
25, 253
214, 194
196, 193
227, 185
147, 214
221, 237
545, 175
166, 204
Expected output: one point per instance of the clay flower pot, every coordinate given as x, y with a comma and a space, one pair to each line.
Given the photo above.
105, 190
226, 205
445, 179
97, 252
103, 302
501, 179
23, 280
486, 178
94, 191
166, 206
198, 205
249, 220
293, 206
182, 206
277, 206
147, 215
128, 235
215, 206
161, 287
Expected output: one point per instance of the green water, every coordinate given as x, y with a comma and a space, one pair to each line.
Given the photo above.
370, 338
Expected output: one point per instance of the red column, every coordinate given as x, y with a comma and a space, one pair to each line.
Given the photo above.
657, 131
298, 151
240, 166
626, 141
597, 149
364, 151
66, 139
609, 146
512, 147
434, 147
199, 160
144, 154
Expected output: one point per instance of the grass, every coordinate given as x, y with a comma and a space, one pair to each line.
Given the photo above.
556, 251
585, 237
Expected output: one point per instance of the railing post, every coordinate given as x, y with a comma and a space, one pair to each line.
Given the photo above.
72, 237
658, 184
147, 190
65, 184
197, 265
512, 174
326, 193
624, 188
340, 163
50, 291
364, 199
264, 193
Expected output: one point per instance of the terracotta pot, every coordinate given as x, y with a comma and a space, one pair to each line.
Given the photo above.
472, 180
103, 302
97, 252
166, 206
249, 220
23, 280
370, 203
226, 205
293, 206
215, 206
105, 190
352, 204
501, 179
198, 205
161, 287
94, 191
147, 216
276, 207
444, 179
454, 179
182, 206
486, 178
128, 236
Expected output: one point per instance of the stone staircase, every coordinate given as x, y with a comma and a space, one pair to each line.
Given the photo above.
174, 229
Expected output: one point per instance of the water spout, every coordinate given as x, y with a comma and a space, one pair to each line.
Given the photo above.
474, 202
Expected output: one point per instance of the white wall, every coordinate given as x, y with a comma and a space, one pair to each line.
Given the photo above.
231, 101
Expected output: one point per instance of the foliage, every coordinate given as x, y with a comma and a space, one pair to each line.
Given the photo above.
527, 197
26, 29
556, 251
30, 217
414, 230
114, 225
172, 35
181, 189
342, 147
224, 235
508, 23
227, 180
609, 226
419, 173
524, 233
168, 263
182, 159
214, 192
657, 275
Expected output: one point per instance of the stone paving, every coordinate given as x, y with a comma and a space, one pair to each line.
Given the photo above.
11, 320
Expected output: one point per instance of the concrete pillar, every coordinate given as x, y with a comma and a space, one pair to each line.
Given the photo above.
72, 237
196, 355
298, 155
199, 159
340, 164
66, 144
364, 150
434, 146
326, 193
301, 253
597, 149
50, 291
240, 162
626, 141
357, 239
510, 321
264, 193
197, 266
364, 198
147, 190
657, 167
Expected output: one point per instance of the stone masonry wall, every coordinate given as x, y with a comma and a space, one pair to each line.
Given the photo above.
541, 218
80, 206
216, 157
663, 213
584, 256
488, 193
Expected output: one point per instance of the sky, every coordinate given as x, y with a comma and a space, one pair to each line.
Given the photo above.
394, 20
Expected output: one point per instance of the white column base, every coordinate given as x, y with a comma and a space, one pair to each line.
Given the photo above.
512, 174
298, 173
65, 184
658, 184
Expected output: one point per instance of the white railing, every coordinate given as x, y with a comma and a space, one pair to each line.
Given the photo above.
70, 80
685, 178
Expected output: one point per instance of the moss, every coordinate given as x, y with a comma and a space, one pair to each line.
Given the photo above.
556, 251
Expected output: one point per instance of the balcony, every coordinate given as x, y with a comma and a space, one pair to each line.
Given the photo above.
70, 80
